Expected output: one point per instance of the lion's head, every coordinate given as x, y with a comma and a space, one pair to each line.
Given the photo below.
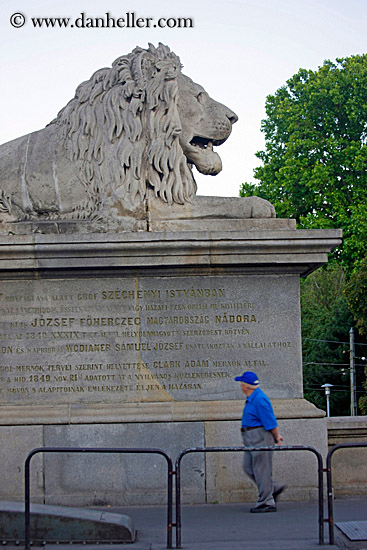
143, 123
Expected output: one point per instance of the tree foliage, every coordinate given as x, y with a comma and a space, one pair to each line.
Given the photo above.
326, 321
315, 160
362, 402
356, 293
314, 169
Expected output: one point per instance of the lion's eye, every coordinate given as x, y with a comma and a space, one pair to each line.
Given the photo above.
202, 97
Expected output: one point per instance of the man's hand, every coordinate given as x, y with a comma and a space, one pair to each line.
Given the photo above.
277, 437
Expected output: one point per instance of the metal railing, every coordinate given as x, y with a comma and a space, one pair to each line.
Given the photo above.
27, 484
177, 473
330, 518
249, 449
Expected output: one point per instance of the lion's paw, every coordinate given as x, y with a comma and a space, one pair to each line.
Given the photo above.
257, 207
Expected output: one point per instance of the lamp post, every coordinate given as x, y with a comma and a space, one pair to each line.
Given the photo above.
327, 393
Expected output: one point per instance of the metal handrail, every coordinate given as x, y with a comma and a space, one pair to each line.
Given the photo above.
250, 449
96, 450
330, 518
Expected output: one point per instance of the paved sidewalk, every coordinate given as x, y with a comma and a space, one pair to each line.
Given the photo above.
232, 527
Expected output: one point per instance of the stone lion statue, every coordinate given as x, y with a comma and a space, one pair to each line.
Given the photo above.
132, 131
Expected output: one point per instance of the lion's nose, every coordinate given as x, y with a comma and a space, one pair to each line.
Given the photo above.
232, 117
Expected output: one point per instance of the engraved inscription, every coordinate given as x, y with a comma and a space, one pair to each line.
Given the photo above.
147, 339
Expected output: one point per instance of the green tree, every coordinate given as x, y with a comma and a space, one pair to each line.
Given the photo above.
314, 169
326, 321
356, 295
315, 161
362, 401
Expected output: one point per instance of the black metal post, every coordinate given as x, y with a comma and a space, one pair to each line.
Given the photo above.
178, 500
27, 513
250, 449
329, 480
320, 470
27, 484
169, 501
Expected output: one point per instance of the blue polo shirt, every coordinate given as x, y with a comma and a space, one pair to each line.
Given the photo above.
258, 411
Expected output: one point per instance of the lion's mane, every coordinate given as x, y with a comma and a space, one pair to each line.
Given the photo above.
123, 126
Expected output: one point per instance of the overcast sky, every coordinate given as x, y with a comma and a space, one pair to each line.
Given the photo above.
239, 50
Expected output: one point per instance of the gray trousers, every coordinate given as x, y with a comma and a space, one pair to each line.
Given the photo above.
258, 465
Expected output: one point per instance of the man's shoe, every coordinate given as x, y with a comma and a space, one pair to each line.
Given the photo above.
263, 508
278, 492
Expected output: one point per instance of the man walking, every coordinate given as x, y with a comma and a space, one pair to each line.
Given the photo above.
260, 429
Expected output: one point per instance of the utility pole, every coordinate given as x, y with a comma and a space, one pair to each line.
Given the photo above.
352, 369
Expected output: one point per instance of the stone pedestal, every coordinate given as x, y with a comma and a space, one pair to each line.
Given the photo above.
134, 340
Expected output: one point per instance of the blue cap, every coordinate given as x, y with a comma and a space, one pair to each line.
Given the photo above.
248, 377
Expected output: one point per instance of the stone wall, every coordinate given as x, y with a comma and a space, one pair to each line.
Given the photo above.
86, 479
134, 340
216, 477
349, 466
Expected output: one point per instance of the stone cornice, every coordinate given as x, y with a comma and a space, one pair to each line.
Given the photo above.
251, 251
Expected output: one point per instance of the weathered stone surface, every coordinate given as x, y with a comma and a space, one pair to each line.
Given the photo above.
266, 250
213, 214
126, 478
142, 304
172, 411
349, 466
133, 131
148, 339
15, 444
298, 469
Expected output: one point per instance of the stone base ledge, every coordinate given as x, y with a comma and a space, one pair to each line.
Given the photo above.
184, 411
347, 429
347, 423
133, 225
